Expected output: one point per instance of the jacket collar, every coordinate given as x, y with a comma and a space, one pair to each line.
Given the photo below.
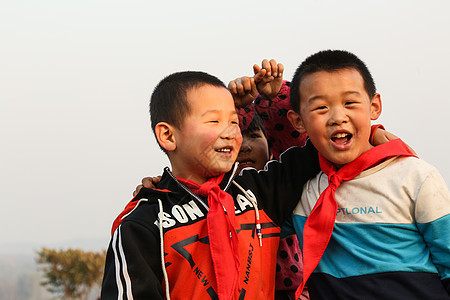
170, 185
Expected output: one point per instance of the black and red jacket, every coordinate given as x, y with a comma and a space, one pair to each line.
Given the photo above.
134, 262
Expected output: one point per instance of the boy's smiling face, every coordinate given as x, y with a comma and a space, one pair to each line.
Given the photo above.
336, 112
208, 142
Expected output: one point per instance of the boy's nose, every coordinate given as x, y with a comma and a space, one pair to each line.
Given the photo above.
229, 132
337, 117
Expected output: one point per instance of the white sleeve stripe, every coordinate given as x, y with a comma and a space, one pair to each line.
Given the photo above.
137, 204
125, 269
117, 266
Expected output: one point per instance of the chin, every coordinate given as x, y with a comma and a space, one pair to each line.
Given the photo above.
341, 160
219, 170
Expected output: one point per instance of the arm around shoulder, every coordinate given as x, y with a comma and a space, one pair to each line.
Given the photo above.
279, 185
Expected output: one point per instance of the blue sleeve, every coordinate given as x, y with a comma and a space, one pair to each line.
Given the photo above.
437, 237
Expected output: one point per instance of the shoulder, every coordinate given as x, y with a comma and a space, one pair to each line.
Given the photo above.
401, 169
142, 211
414, 168
406, 173
414, 163
429, 188
421, 182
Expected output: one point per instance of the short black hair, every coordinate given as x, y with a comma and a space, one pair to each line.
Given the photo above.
329, 60
168, 102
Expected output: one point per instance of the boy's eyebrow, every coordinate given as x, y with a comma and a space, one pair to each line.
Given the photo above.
211, 111
351, 92
318, 97
216, 111
314, 98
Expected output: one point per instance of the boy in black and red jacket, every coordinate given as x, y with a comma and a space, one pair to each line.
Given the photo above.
203, 233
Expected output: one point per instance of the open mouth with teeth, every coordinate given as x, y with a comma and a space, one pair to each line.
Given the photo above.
246, 162
341, 138
224, 150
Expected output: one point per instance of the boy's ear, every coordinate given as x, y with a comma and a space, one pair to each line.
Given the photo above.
296, 121
375, 107
164, 133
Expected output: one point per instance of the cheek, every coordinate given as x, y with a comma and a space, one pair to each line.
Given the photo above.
262, 150
312, 124
209, 137
239, 139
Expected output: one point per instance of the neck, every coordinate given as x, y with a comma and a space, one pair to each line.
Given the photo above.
190, 176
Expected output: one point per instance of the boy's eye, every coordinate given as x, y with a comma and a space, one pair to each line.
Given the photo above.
320, 107
255, 135
213, 121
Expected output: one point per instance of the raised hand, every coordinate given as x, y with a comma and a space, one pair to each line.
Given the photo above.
244, 88
270, 84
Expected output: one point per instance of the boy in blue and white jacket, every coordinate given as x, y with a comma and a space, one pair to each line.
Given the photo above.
391, 236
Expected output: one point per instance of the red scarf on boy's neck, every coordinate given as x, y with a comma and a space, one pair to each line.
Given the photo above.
319, 225
224, 249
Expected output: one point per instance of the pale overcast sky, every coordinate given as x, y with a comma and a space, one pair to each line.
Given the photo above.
76, 77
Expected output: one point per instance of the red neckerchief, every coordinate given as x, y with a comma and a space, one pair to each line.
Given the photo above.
224, 251
320, 223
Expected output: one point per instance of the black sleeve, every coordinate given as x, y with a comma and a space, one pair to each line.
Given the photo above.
446, 283
133, 264
279, 186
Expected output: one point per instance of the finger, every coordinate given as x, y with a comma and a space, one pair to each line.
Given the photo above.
242, 85
390, 136
280, 70
252, 89
247, 83
147, 182
274, 67
256, 69
232, 86
260, 75
265, 64
136, 191
240, 89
